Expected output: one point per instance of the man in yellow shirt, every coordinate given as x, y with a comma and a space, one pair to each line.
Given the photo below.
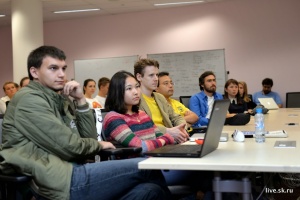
166, 88
155, 104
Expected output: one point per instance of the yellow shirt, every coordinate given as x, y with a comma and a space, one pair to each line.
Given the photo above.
156, 115
178, 107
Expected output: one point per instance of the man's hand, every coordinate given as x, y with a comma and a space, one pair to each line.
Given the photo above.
178, 133
74, 89
106, 145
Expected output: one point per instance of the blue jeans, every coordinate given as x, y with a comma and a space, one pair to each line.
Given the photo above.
117, 179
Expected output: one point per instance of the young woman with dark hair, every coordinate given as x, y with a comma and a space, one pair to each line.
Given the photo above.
127, 124
231, 92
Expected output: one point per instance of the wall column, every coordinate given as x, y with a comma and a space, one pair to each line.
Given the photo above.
27, 33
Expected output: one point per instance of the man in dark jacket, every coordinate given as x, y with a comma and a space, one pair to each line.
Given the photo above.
43, 139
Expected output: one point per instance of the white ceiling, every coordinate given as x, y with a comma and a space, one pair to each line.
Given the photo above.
107, 7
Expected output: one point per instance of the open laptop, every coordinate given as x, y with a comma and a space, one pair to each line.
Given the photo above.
268, 103
211, 138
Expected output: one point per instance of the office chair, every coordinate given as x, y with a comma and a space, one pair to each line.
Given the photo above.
293, 99
185, 100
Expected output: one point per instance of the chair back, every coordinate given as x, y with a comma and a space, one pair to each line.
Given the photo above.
185, 100
293, 99
99, 117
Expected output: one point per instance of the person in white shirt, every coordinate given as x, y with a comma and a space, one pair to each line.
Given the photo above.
2, 107
89, 87
103, 85
9, 88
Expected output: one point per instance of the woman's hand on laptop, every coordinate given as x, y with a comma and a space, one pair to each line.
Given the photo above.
178, 133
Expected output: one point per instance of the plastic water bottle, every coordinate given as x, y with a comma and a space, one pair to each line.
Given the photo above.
259, 126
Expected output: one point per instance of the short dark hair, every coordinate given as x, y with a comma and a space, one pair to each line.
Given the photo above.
161, 74
103, 81
35, 58
22, 80
116, 92
141, 64
203, 76
86, 82
267, 81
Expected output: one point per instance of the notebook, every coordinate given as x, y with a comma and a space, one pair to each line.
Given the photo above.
268, 103
211, 138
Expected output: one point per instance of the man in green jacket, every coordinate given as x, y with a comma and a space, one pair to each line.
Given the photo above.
43, 139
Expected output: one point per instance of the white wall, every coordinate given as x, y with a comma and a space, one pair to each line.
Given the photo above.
260, 37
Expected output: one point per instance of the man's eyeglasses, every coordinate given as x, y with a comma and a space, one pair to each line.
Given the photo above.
168, 83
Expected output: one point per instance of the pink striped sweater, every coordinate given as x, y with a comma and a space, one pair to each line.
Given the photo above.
137, 130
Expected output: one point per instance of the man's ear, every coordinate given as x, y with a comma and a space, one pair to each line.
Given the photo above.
34, 72
138, 77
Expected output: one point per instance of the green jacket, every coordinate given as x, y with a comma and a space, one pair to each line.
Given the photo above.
170, 118
42, 139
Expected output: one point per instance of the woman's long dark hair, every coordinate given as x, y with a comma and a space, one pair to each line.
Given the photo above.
115, 97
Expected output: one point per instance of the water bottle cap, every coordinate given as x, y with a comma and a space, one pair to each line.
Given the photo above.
258, 110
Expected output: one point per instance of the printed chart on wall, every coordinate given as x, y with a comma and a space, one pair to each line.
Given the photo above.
102, 67
186, 67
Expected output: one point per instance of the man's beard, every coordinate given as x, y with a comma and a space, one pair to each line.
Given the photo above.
210, 90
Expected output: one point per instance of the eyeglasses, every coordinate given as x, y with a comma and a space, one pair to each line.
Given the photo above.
167, 83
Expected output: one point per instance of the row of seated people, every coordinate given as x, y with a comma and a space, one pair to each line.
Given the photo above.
155, 122
42, 138
241, 103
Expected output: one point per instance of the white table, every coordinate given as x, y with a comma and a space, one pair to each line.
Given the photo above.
247, 156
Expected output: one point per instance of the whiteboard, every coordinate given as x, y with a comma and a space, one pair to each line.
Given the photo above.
185, 69
102, 67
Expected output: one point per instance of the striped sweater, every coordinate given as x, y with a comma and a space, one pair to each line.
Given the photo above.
137, 130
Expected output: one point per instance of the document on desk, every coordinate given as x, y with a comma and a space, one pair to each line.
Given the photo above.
223, 138
269, 134
285, 144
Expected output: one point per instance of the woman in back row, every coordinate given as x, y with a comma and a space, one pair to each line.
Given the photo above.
89, 88
243, 91
231, 92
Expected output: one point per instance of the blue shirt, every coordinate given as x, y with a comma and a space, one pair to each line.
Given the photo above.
260, 94
198, 104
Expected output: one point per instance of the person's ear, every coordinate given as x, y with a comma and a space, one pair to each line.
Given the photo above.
138, 77
34, 72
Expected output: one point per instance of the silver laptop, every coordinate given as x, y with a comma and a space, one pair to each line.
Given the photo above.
211, 138
268, 103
